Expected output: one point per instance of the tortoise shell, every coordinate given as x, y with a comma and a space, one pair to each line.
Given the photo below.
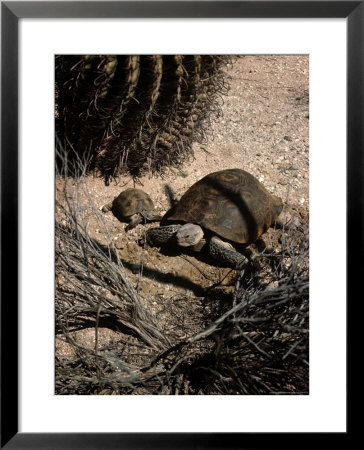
231, 203
131, 201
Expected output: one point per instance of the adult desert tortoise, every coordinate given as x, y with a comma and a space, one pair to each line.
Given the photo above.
223, 208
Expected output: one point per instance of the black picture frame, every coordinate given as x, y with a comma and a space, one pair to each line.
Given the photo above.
11, 12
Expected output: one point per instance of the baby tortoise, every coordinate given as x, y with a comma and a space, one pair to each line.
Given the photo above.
133, 206
222, 209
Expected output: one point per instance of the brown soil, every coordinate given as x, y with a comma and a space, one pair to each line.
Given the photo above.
265, 131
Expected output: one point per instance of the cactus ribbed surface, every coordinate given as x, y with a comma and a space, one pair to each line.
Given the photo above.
136, 113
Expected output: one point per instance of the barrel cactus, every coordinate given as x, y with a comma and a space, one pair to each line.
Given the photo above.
136, 113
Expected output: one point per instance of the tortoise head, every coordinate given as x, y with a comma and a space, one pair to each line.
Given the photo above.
189, 235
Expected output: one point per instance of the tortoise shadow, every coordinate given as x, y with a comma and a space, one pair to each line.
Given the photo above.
152, 274
81, 322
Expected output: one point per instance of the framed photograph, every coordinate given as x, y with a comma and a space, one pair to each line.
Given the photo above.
236, 125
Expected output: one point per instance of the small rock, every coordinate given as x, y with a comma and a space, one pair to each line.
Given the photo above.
294, 167
287, 138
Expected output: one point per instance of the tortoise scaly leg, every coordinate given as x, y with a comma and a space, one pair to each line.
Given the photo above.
161, 235
135, 219
107, 207
225, 253
152, 216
